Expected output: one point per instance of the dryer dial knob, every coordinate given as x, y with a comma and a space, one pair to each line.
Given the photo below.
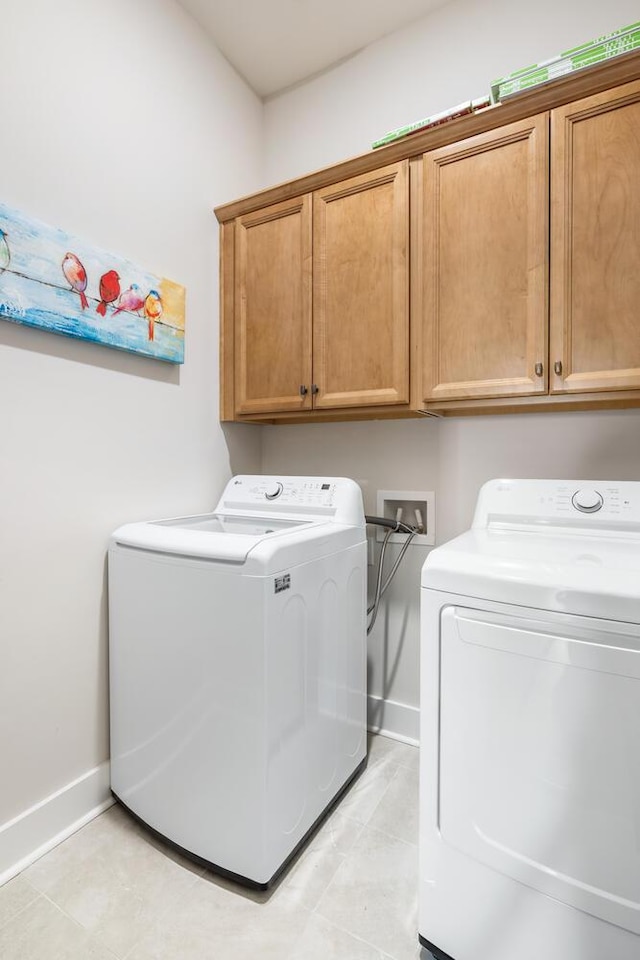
273, 490
587, 500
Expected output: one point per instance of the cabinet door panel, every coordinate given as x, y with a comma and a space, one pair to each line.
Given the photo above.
484, 295
273, 308
595, 242
361, 290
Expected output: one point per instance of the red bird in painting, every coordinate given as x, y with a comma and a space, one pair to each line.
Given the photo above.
130, 300
152, 310
109, 290
76, 276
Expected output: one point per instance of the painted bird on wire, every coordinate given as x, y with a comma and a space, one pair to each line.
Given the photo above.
109, 290
152, 310
131, 300
76, 276
5, 253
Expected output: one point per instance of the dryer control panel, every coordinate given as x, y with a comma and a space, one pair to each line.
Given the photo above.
336, 498
577, 502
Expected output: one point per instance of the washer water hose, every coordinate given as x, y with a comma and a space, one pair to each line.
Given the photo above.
394, 526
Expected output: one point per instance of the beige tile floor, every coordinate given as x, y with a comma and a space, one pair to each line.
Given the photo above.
111, 892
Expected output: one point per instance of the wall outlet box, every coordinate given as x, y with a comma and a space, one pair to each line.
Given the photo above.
416, 507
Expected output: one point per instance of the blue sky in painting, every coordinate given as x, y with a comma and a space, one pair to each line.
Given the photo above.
34, 290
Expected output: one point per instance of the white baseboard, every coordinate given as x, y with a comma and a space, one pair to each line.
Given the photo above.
396, 720
42, 827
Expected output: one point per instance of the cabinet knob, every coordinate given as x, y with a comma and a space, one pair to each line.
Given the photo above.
539, 369
303, 390
315, 388
557, 367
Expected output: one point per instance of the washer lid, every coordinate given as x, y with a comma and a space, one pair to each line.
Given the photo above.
232, 526
567, 570
214, 536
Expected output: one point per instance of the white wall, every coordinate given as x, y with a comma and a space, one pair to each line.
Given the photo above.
120, 123
451, 55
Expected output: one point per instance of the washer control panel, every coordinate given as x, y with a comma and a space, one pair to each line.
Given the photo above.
333, 499
558, 501
290, 492
273, 490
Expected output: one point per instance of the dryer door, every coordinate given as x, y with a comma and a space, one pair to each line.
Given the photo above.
540, 753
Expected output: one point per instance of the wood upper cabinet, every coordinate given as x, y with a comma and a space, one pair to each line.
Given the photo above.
487, 264
480, 254
595, 242
321, 298
272, 328
361, 290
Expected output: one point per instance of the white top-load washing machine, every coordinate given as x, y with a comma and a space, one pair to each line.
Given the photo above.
237, 658
530, 727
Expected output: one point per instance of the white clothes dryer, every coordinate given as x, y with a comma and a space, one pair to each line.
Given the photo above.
530, 727
237, 660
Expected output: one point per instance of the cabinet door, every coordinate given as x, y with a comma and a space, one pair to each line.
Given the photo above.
361, 290
595, 242
273, 308
484, 266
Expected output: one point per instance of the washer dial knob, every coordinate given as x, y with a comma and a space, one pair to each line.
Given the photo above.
273, 490
587, 500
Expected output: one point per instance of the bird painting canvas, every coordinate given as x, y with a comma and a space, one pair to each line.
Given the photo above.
57, 282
